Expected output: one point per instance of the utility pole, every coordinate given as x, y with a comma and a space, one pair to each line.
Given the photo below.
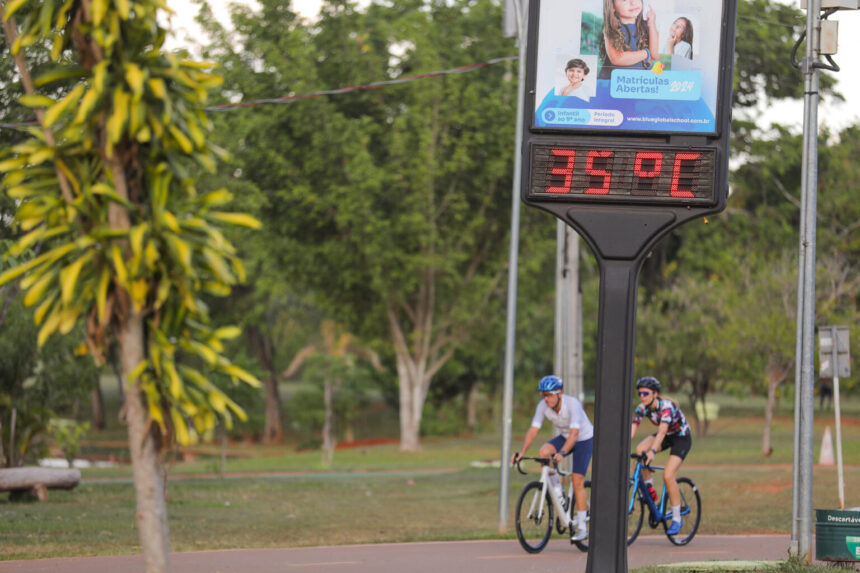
804, 403
568, 312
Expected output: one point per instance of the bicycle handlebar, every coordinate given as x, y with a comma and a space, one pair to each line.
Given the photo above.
543, 461
641, 459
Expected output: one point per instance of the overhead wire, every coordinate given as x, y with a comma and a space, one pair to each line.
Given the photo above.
342, 90
370, 86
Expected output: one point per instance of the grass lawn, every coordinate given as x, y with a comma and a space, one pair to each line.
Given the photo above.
379, 494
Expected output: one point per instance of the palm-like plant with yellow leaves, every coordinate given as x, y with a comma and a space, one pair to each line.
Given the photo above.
127, 243
338, 345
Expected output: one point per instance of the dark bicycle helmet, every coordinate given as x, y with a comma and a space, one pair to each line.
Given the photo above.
648, 382
550, 384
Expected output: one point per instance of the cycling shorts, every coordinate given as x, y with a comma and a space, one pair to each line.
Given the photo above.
679, 445
581, 452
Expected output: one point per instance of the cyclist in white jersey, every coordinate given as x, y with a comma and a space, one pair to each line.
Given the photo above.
576, 436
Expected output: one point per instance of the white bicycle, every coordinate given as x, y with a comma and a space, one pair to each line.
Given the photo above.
538, 505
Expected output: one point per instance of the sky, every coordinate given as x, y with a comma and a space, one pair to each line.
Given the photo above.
833, 114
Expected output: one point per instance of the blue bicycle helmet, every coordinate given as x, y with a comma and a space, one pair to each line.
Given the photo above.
648, 382
550, 384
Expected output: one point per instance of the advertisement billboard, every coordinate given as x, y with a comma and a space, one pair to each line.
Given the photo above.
628, 66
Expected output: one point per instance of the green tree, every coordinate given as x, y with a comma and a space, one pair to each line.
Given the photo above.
392, 208
759, 335
126, 242
679, 326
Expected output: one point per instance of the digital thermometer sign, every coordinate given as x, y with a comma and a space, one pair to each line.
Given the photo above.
627, 104
627, 111
670, 175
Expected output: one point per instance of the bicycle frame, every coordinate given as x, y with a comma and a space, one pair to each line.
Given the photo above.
557, 502
657, 512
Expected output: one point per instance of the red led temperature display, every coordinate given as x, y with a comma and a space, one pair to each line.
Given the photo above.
623, 174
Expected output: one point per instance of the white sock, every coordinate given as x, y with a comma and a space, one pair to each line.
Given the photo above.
676, 513
650, 482
580, 519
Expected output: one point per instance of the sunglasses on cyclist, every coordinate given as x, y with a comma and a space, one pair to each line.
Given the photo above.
645, 393
545, 394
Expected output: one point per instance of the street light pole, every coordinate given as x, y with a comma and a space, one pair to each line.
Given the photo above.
510, 334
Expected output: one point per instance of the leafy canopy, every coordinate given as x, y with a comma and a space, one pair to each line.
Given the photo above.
105, 194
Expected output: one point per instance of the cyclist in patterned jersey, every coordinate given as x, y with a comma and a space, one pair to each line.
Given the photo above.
575, 437
673, 432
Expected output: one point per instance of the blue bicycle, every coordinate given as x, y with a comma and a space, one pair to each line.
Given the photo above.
659, 511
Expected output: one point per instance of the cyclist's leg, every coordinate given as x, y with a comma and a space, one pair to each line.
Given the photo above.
582, 452
680, 446
581, 458
548, 450
552, 446
579, 516
669, 477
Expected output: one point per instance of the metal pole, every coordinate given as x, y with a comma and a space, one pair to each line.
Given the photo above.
613, 402
579, 375
573, 355
560, 332
568, 315
510, 333
835, 363
805, 331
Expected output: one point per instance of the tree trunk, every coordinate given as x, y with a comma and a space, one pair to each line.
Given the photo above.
26, 478
12, 457
699, 391
775, 374
98, 406
472, 408
766, 447
412, 398
274, 431
328, 423
349, 431
146, 465
120, 379
417, 362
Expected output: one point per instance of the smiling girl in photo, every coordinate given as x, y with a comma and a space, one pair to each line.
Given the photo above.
630, 37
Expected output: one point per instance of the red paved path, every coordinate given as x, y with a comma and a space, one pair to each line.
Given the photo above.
446, 557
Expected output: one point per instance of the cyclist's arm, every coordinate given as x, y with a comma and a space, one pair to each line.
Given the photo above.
571, 441
531, 434
637, 417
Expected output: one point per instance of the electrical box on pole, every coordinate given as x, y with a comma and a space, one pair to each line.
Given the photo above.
827, 337
626, 137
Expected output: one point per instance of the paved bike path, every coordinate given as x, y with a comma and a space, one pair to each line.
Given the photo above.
495, 556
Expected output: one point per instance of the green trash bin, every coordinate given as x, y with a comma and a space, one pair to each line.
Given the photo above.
837, 535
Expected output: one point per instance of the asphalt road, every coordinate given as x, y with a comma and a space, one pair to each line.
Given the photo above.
496, 556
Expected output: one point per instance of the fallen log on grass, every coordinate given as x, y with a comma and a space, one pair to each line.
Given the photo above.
37, 481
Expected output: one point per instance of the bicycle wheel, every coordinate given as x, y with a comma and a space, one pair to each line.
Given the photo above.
691, 513
634, 518
534, 528
636, 515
